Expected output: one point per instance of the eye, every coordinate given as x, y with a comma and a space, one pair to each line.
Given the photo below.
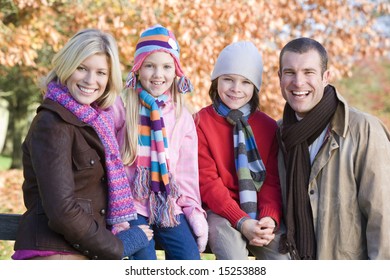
289, 73
81, 68
247, 82
148, 65
168, 66
102, 73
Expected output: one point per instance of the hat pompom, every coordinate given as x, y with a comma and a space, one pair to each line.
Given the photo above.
184, 85
131, 80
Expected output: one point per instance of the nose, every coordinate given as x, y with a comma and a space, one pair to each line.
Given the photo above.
157, 71
90, 77
235, 86
299, 79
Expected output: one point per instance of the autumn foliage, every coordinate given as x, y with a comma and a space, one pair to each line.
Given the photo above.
32, 30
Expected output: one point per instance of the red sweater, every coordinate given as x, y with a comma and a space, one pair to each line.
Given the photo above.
217, 171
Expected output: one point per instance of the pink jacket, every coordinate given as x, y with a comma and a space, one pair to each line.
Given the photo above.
183, 155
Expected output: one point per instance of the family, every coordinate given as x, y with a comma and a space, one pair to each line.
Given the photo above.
111, 168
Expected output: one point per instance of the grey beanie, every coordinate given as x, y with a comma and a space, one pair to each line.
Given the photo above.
240, 58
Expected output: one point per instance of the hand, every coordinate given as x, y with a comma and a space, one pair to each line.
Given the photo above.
120, 227
147, 230
200, 228
259, 233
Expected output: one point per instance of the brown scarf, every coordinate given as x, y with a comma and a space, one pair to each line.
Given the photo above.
297, 136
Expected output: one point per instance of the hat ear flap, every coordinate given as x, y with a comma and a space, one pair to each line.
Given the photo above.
184, 85
131, 80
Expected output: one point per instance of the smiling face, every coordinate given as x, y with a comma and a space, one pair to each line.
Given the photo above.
157, 73
235, 90
301, 80
89, 81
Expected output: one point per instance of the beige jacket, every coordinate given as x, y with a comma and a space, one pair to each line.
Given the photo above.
349, 188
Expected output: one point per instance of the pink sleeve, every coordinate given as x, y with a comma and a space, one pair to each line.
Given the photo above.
119, 119
186, 171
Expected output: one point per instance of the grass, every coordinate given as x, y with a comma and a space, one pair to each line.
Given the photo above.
5, 163
368, 88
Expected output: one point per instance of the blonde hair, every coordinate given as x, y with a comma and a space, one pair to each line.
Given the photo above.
131, 100
83, 44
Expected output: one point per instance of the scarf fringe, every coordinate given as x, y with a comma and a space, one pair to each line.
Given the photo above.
286, 246
174, 188
162, 210
142, 181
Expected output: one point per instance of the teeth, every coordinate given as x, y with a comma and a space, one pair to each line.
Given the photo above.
300, 92
158, 83
86, 90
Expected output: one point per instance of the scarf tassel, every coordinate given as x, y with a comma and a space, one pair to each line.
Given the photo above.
141, 183
174, 188
163, 210
287, 245
184, 85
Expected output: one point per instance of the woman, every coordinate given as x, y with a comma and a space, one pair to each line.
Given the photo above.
75, 183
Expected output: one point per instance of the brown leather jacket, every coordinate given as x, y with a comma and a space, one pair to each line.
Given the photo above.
65, 190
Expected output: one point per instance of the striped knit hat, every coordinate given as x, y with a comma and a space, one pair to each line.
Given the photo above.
153, 39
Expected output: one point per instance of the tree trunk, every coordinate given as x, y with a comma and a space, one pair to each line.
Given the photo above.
18, 126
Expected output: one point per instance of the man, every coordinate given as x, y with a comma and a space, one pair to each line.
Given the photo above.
334, 165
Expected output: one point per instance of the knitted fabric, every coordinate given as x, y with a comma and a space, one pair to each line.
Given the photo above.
133, 239
153, 39
297, 136
249, 165
120, 201
152, 178
240, 58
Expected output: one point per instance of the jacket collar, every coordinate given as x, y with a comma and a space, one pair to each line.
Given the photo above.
62, 112
340, 120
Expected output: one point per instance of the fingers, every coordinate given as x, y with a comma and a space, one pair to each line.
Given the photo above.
262, 241
120, 227
267, 223
147, 230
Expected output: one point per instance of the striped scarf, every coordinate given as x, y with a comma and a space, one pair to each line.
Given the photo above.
249, 165
120, 201
153, 179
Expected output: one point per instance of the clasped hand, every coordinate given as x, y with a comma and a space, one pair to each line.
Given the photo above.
259, 232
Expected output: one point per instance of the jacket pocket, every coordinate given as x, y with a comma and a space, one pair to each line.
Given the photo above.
86, 159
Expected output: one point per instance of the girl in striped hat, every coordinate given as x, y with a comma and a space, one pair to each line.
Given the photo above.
159, 148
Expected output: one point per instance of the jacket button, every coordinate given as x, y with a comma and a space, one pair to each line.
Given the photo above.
92, 162
103, 179
76, 246
95, 257
86, 252
311, 191
103, 212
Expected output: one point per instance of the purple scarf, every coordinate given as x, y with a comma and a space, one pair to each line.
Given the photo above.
120, 201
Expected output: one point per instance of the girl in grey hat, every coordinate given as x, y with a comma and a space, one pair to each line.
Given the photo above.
238, 160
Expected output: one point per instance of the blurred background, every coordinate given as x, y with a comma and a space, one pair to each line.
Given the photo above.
356, 34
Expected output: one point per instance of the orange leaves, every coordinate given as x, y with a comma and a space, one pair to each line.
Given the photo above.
203, 29
11, 196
